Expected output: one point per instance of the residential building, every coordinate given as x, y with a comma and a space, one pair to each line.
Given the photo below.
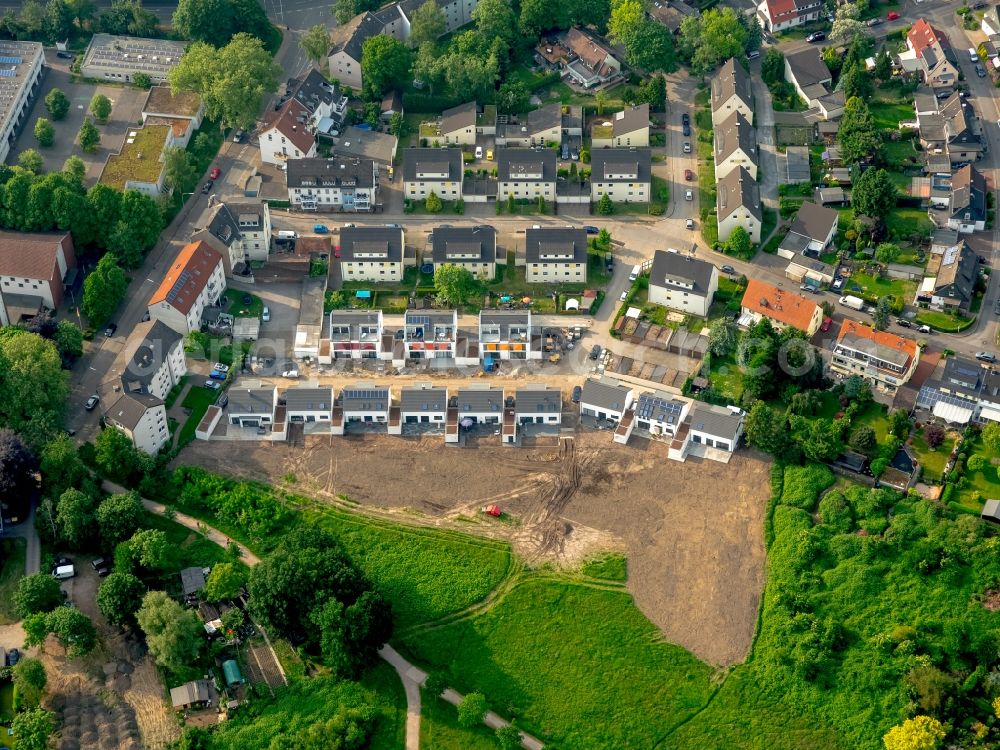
473, 248
715, 426
735, 146
731, 92
555, 254
540, 127
682, 282
140, 417
372, 253
139, 164
624, 175
950, 130
930, 52
962, 391
347, 43
811, 233
307, 404
455, 127
812, 80
605, 398
433, 170
152, 363
883, 358
779, 15
119, 58
240, 233
430, 334
365, 402
309, 329
356, 334
991, 21
337, 184
954, 282
284, 135
195, 280
423, 403
507, 334
18, 85
660, 413
592, 63
358, 143
967, 208
325, 104
34, 270
526, 174
784, 308
252, 407
538, 404
483, 404
738, 205
626, 129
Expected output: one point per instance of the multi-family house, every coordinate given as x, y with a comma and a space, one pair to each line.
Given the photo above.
738, 205
555, 254
526, 174
473, 248
284, 135
626, 129
930, 53
140, 417
954, 281
347, 44
356, 334
194, 281
681, 282
605, 398
779, 15
784, 308
961, 391
34, 269
506, 334
372, 253
811, 233
735, 146
239, 232
885, 359
949, 129
433, 170
430, 334
455, 127
813, 81
152, 362
337, 184
731, 92
624, 175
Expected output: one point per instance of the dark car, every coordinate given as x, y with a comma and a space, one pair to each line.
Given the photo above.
903, 323
728, 269
874, 21
577, 392
685, 119
688, 175
565, 152
591, 229
91, 403
247, 299
13, 657
595, 351
110, 330
207, 187
816, 36
62, 561
100, 562
64, 55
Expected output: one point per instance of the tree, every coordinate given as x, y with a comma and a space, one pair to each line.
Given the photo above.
218, 21
31, 160
933, 435
148, 549
45, 134
32, 729
496, 19
179, 167
991, 437
605, 206
887, 253
128, 17
858, 135
57, 103
508, 737
471, 710
33, 387
649, 45
232, 81
103, 290
874, 194
772, 66
878, 467
100, 107
75, 516
17, 467
142, 81
766, 429
454, 284
118, 518
883, 65
653, 91
739, 243
855, 82
173, 634
881, 315
137, 228
73, 629
29, 681
36, 593
89, 136
61, 466
83, 11
918, 733
344, 10
847, 25
713, 37
224, 582
435, 684
316, 44
119, 597
856, 388
233, 619
385, 63
976, 463
433, 203
863, 440
722, 336
427, 25
820, 439
899, 424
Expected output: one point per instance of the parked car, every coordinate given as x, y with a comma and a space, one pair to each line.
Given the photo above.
110, 330
687, 147
239, 135
591, 229
689, 223
903, 322
220, 367
686, 124
207, 187
217, 375
838, 284
265, 314
212, 385
290, 374
892, 16
577, 392
816, 36
336, 251
874, 21
321, 229
924, 329
688, 175
623, 296
214, 174
91, 403
13, 657
100, 562
686, 130
595, 351
986, 357
62, 54
689, 195
564, 152
489, 154
825, 325
728, 269
479, 152
996, 308
981, 71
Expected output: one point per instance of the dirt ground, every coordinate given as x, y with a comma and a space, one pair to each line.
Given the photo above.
693, 532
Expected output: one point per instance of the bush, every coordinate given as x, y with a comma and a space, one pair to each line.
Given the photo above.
802, 484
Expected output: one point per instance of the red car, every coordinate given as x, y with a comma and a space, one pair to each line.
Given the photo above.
688, 175
827, 322
892, 15
336, 251
214, 174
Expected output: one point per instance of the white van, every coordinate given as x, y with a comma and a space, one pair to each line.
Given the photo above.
635, 273
64, 571
287, 235
973, 55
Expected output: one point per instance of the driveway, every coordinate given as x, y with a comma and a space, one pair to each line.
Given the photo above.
766, 142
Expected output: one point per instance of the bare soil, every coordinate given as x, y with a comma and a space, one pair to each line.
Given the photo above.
693, 532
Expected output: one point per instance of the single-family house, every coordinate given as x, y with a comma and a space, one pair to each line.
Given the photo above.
951, 131
252, 407
372, 253
738, 205
141, 417
784, 308
361, 143
933, 53
526, 174
455, 127
539, 127
991, 21
624, 175
592, 62
967, 210
779, 15
195, 280
473, 248
35, 268
433, 170
538, 404
954, 283
681, 282
811, 233
356, 334
626, 129
660, 413
555, 254
483, 404
885, 359
423, 403
605, 398
430, 334
717, 427
309, 404
240, 233
962, 390
731, 92
812, 80
365, 402
506, 334
336, 184
735, 146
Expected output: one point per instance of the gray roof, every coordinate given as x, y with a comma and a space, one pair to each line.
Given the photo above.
716, 420
190, 693
544, 118
385, 244
333, 173
659, 407
604, 393
962, 370
956, 278
731, 79
423, 399
457, 244
365, 398
459, 118
735, 132
148, 356
158, 56
354, 320
308, 399
129, 408
942, 238
814, 221
555, 245
430, 317
677, 270
366, 144
230, 220
425, 164
968, 194
630, 120
312, 90
537, 400
504, 319
735, 191
991, 510
192, 580
251, 400
623, 164
807, 67
475, 400
351, 38
517, 163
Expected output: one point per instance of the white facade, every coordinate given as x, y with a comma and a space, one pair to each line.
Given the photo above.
681, 297
149, 433
606, 406
356, 198
21, 89
526, 187
345, 69
620, 191
182, 312
556, 272
374, 270
276, 148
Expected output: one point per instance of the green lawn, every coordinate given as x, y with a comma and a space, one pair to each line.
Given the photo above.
610, 567
904, 222
900, 154
390, 731
933, 460
942, 321
187, 548
6, 708
237, 307
984, 485
12, 554
872, 287
198, 399
726, 378
440, 730
875, 417
889, 114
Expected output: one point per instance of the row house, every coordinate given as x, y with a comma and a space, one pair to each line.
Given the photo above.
356, 334
308, 405
735, 145
738, 205
730, 92
430, 334
507, 334
953, 282
884, 359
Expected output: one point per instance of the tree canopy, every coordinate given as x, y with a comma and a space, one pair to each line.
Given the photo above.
173, 633
858, 135
119, 597
36, 593
103, 290
712, 38
874, 194
33, 386
454, 284
218, 21
385, 63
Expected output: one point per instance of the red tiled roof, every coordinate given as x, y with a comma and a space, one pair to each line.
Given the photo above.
187, 276
922, 35
882, 338
778, 8
285, 120
785, 307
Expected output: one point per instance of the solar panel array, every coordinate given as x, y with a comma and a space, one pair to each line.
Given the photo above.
178, 286
650, 407
8, 72
130, 54
11, 60
19, 56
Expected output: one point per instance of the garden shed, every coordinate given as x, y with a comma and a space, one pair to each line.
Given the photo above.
231, 671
